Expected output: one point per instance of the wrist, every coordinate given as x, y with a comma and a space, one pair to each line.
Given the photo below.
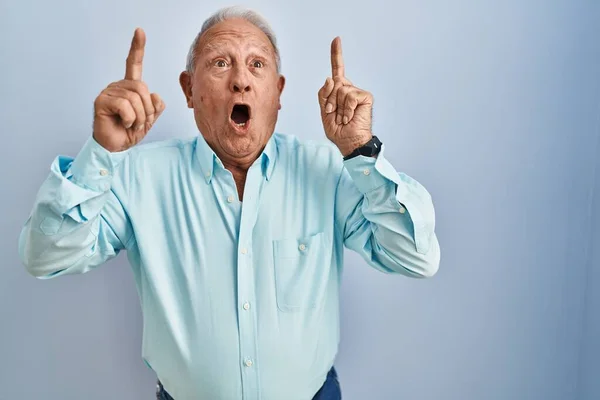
348, 145
109, 145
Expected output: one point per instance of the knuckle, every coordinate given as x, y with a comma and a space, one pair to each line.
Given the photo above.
149, 107
127, 96
100, 99
134, 97
121, 104
141, 87
140, 112
104, 93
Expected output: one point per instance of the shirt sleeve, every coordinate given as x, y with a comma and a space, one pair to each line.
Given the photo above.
78, 220
387, 217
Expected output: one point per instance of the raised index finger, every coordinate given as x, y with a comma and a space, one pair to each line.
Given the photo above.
337, 62
133, 66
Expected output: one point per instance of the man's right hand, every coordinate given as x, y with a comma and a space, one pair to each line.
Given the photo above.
125, 111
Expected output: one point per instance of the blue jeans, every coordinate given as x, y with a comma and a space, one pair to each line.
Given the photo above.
329, 391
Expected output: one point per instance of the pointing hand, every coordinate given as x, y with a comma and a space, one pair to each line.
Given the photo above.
125, 111
346, 111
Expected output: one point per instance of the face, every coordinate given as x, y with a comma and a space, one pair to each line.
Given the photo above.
234, 90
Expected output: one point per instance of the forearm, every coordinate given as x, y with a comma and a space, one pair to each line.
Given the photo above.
393, 224
68, 230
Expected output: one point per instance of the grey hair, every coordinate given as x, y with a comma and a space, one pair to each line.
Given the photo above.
230, 13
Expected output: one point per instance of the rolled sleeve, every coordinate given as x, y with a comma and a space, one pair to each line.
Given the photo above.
94, 166
366, 173
411, 198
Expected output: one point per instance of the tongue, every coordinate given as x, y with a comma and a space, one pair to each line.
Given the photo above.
239, 116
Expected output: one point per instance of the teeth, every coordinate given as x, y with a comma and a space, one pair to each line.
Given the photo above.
241, 124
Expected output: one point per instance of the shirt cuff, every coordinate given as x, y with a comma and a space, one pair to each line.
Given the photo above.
94, 166
369, 173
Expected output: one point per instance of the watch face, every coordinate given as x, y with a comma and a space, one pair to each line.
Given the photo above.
368, 151
372, 148
376, 146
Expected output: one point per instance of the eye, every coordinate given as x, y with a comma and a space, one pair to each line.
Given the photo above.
257, 64
221, 63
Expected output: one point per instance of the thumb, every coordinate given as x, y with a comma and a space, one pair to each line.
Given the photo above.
324, 93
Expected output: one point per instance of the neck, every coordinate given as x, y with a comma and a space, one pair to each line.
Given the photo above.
237, 166
239, 176
239, 170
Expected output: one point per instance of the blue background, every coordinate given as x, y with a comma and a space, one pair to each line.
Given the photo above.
493, 106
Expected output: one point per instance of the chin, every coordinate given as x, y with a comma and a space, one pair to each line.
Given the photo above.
240, 145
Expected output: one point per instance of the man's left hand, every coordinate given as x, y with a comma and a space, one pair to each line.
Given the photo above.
346, 110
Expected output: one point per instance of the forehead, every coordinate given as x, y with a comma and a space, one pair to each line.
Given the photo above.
237, 33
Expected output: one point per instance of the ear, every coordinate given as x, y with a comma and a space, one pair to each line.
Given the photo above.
280, 86
185, 80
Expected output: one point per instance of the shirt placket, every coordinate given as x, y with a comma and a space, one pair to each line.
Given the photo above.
246, 286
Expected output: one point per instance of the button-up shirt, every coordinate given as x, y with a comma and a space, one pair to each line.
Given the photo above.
239, 298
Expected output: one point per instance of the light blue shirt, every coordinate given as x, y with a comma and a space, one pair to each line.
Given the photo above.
239, 299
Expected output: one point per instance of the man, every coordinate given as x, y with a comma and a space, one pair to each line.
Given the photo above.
235, 236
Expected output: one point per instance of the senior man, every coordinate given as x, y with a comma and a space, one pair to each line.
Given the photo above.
235, 236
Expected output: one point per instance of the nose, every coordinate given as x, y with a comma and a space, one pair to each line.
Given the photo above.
240, 82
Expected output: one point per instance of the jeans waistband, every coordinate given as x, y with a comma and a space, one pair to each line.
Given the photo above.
329, 391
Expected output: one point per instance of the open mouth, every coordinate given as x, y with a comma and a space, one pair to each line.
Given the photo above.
240, 115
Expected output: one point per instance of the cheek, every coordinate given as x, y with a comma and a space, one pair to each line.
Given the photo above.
212, 92
273, 95
205, 97
206, 92
268, 93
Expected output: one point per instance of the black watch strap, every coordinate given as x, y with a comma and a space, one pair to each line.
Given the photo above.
369, 149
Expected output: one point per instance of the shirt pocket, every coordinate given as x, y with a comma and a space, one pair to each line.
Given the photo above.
299, 271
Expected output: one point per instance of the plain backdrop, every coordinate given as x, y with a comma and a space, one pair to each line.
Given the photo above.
493, 106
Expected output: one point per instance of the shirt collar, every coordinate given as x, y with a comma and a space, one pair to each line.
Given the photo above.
209, 160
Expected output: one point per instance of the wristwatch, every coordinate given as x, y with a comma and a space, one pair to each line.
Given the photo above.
369, 149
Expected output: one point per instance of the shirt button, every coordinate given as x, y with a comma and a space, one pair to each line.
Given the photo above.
103, 172
244, 250
248, 363
366, 171
402, 210
246, 306
208, 174
230, 199
302, 247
